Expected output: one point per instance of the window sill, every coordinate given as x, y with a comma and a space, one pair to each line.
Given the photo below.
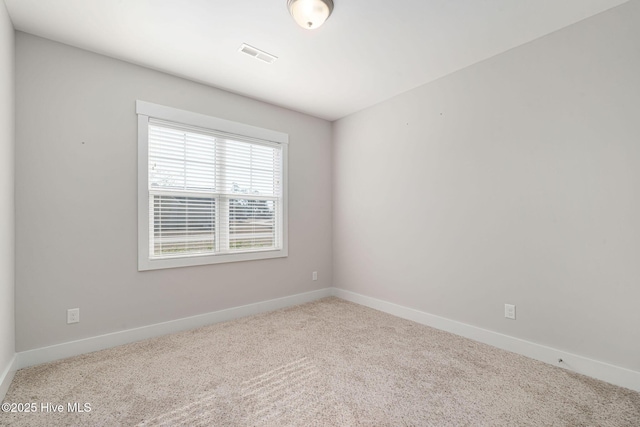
188, 261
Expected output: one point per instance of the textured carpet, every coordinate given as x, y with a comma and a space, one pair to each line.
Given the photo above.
325, 363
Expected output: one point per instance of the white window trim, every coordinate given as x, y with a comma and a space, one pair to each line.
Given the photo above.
145, 110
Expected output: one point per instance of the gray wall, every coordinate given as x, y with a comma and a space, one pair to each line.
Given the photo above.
76, 235
7, 205
512, 181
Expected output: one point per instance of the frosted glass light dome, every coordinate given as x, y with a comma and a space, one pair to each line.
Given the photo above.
310, 14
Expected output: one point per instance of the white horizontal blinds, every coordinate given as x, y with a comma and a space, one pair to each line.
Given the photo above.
180, 160
182, 225
253, 224
182, 180
252, 169
253, 174
209, 193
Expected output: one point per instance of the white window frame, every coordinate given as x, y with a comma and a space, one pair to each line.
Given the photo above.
146, 110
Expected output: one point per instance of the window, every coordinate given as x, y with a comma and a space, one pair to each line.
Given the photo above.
209, 190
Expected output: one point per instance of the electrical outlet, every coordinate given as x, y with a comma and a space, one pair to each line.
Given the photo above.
510, 311
314, 275
73, 315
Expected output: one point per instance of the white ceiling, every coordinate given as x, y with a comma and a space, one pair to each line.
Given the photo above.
368, 50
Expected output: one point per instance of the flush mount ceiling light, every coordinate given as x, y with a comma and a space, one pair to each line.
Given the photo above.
310, 14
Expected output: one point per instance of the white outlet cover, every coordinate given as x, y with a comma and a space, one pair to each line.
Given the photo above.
510, 311
73, 315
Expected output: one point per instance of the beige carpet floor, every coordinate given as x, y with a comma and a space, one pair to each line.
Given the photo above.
326, 363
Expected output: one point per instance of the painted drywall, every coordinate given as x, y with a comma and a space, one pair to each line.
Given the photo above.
7, 205
512, 181
76, 219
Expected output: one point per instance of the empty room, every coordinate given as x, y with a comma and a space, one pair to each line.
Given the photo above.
320, 212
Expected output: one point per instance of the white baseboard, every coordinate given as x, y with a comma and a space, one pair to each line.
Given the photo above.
101, 342
610, 373
7, 376
603, 371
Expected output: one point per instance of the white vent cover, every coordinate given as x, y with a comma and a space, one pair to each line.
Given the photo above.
257, 53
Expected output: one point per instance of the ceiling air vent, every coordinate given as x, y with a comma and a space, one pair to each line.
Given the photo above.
258, 54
